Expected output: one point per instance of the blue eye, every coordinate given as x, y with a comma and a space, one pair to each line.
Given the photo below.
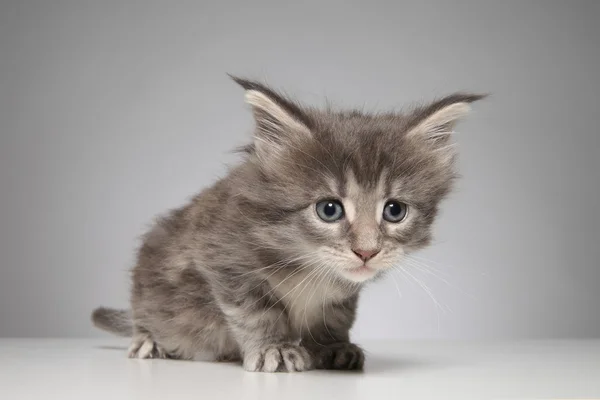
330, 210
394, 211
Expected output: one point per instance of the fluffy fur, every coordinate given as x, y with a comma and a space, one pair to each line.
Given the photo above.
248, 271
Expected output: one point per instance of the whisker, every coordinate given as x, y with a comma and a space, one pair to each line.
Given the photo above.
297, 295
289, 291
396, 284
426, 262
431, 271
437, 305
330, 275
324, 271
272, 290
427, 290
276, 269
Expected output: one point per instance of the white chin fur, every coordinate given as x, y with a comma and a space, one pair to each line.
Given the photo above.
358, 276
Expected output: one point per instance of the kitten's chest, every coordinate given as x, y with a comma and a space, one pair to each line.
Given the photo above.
307, 297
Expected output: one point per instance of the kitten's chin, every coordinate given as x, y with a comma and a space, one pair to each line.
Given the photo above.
359, 274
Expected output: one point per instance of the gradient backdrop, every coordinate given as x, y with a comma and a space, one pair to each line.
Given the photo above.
114, 111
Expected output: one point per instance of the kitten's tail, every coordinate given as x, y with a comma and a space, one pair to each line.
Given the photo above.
115, 321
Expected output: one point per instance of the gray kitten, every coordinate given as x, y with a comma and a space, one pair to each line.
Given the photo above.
266, 265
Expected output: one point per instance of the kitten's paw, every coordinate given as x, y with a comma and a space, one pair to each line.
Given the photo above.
283, 357
143, 346
343, 356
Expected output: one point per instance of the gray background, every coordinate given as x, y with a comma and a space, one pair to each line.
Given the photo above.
113, 112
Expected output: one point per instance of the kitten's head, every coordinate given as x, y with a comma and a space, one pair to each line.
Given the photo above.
348, 191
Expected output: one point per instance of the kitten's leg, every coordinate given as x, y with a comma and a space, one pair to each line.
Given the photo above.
228, 357
260, 327
329, 342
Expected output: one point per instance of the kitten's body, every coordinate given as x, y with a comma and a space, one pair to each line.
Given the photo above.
247, 270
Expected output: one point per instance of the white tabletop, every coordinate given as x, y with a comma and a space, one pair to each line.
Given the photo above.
98, 369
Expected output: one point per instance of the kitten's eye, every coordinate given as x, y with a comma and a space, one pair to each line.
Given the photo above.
330, 210
394, 211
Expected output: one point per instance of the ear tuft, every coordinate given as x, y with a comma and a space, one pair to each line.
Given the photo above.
248, 84
439, 118
279, 121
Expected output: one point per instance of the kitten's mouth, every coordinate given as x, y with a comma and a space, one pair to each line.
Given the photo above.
363, 269
359, 274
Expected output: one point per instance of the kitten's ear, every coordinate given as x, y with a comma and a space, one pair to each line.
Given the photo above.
278, 120
435, 123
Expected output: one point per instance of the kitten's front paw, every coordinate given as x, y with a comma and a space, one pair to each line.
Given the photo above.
142, 346
344, 356
282, 357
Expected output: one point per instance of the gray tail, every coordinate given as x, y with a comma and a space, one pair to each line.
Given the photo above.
115, 321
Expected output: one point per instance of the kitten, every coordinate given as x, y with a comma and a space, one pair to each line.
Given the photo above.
266, 265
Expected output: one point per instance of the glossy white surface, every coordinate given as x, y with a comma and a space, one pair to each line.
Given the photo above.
98, 369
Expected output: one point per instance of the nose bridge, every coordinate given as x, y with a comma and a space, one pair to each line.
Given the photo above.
365, 231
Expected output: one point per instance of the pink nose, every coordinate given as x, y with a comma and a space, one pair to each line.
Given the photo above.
366, 255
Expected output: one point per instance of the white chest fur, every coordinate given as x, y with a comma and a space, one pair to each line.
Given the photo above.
307, 296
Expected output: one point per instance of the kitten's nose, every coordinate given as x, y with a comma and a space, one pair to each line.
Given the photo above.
365, 255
